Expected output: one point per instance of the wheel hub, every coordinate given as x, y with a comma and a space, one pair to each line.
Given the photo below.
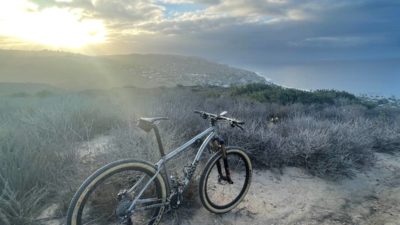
122, 208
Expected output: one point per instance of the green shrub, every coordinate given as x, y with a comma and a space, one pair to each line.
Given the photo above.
273, 93
44, 94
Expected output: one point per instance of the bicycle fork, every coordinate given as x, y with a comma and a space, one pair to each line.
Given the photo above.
218, 144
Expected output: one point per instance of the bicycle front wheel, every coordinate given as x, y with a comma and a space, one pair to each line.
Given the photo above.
219, 194
104, 198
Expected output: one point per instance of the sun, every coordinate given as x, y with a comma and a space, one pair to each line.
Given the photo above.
53, 27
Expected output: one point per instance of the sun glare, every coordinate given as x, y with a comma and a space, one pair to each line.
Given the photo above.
54, 27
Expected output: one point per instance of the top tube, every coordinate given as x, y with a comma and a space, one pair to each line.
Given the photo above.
178, 150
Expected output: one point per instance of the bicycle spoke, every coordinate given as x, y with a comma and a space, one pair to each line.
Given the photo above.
236, 163
220, 191
106, 199
132, 189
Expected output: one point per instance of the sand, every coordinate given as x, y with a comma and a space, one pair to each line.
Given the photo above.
371, 197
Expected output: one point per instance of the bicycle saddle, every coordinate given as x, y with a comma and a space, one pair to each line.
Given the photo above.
147, 123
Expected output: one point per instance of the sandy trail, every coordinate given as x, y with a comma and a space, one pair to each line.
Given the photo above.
294, 197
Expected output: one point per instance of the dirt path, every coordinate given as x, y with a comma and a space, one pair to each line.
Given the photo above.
372, 198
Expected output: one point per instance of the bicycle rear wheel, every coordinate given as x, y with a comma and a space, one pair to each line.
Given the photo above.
107, 194
218, 194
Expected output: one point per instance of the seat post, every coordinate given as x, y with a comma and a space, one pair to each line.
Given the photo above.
158, 137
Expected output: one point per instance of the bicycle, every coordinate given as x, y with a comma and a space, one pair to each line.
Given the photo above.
142, 191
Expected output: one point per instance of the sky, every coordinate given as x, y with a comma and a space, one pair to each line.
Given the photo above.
343, 44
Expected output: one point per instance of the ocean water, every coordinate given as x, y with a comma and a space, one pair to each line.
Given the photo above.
374, 79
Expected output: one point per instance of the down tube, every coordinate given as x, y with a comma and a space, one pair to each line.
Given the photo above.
185, 146
197, 158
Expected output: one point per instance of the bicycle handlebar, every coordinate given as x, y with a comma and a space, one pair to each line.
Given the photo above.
233, 122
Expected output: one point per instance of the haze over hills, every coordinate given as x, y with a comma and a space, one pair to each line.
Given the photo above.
21, 89
75, 71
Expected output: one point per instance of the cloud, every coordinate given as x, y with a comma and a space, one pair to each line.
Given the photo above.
245, 30
209, 2
339, 41
280, 38
150, 15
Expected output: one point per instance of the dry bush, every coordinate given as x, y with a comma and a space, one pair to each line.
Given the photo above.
37, 152
39, 138
386, 136
327, 140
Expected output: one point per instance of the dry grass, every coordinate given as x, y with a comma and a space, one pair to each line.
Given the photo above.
39, 137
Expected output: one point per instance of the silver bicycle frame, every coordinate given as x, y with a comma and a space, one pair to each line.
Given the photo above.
210, 133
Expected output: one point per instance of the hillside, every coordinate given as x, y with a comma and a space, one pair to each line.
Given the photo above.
24, 89
81, 72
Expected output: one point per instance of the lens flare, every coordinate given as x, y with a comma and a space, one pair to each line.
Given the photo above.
55, 27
